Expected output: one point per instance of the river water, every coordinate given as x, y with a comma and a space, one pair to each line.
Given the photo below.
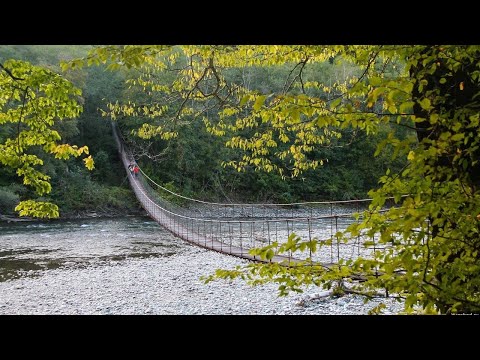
132, 265
29, 248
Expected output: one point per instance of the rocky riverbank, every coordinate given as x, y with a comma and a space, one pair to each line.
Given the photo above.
164, 285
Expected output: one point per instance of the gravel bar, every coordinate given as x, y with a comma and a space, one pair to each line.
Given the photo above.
165, 285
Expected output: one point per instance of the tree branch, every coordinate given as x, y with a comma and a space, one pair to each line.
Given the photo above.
10, 73
298, 76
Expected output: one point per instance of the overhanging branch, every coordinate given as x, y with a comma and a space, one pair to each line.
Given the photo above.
10, 73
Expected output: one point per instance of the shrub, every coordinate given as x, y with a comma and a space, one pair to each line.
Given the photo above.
8, 201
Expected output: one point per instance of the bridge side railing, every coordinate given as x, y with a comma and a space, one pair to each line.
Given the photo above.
236, 228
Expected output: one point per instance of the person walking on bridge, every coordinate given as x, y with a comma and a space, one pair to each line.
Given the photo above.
136, 169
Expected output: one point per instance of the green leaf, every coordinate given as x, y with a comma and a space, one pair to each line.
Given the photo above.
270, 254
425, 104
335, 103
458, 137
406, 107
375, 80
259, 102
244, 100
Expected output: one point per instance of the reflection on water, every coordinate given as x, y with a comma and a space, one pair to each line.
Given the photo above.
27, 249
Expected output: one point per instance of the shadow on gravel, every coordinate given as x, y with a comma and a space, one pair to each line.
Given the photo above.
14, 269
11, 268
16, 252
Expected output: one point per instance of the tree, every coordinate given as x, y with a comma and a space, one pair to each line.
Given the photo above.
32, 100
432, 258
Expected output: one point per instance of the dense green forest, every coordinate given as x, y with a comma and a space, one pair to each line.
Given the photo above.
280, 123
76, 190
190, 163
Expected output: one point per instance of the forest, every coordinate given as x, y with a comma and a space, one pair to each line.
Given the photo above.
270, 123
190, 163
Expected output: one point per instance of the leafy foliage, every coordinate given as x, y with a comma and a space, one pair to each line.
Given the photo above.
162, 113
32, 99
68, 178
433, 258
282, 110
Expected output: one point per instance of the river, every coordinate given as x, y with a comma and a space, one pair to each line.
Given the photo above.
29, 248
132, 265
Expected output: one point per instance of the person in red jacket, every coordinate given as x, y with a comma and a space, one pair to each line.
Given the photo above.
136, 169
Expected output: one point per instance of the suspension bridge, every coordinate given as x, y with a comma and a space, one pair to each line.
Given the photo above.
234, 229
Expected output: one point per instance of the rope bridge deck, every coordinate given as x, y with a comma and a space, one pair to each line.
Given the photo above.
234, 229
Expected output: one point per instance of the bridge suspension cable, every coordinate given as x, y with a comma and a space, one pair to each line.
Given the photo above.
235, 228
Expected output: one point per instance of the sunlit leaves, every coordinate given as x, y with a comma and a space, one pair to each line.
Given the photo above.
33, 105
425, 104
38, 209
259, 102
431, 261
89, 163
